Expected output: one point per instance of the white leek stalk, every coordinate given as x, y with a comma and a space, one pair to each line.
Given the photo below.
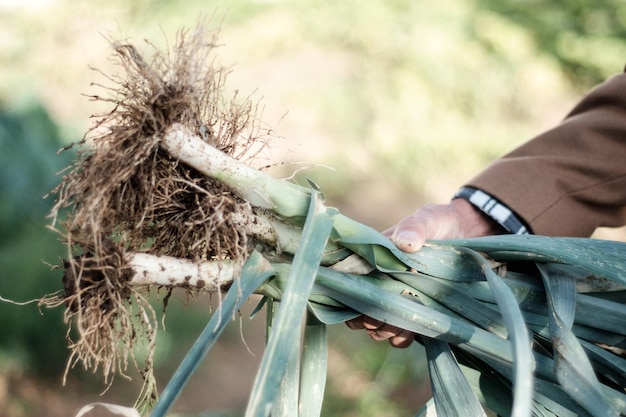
259, 189
168, 271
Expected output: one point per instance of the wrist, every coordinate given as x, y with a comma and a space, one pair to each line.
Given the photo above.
474, 222
494, 210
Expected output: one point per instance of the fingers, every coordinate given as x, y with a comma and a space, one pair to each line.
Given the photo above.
379, 331
397, 337
455, 220
432, 221
356, 323
403, 339
408, 237
370, 323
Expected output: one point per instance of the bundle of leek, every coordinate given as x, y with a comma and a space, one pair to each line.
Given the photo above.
516, 324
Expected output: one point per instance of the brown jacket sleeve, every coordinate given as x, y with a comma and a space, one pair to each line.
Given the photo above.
570, 179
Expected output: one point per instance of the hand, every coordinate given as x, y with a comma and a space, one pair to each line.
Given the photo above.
378, 330
456, 220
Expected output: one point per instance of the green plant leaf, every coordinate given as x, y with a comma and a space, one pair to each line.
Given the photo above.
607, 364
572, 366
447, 293
602, 257
452, 393
313, 368
288, 398
369, 296
379, 251
494, 390
255, 271
524, 364
287, 323
332, 315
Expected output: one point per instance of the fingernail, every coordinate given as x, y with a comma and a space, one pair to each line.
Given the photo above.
407, 237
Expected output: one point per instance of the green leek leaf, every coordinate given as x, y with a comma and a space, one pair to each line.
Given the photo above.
287, 400
452, 393
572, 367
313, 368
287, 323
255, 271
518, 335
601, 257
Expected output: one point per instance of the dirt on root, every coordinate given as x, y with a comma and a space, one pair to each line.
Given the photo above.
125, 194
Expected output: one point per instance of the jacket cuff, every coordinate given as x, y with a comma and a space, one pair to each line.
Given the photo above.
495, 209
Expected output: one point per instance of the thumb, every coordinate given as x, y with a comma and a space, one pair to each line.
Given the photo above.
429, 222
409, 240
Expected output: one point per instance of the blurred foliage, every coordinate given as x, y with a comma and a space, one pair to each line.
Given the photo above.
28, 142
415, 97
585, 37
405, 99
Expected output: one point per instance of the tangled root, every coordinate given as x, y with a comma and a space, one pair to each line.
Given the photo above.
124, 194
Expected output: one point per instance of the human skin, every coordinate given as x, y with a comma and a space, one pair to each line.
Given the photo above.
567, 181
455, 220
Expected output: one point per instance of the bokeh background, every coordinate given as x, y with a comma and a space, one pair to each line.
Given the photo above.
389, 104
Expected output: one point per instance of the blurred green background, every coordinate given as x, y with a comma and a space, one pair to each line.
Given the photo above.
389, 103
